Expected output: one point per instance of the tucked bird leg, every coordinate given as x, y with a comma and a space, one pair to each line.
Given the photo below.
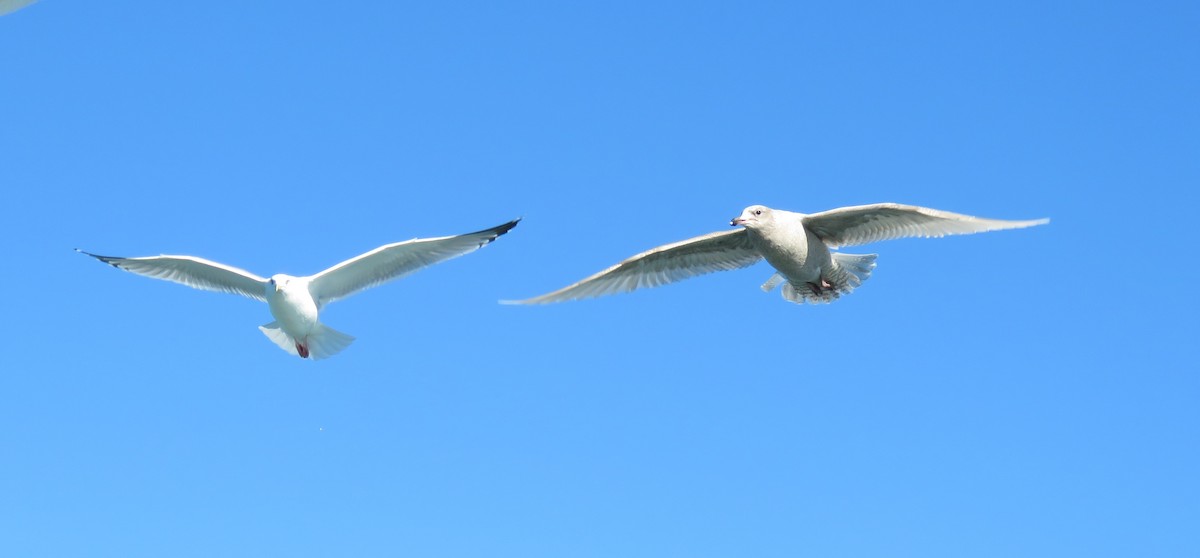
819, 288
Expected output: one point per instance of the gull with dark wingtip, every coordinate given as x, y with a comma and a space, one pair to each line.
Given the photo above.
296, 302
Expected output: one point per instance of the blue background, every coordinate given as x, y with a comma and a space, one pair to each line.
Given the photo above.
1019, 393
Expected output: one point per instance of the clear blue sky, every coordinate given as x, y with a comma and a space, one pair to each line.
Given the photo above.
1021, 393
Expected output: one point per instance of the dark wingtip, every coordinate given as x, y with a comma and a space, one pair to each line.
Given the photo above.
499, 231
106, 259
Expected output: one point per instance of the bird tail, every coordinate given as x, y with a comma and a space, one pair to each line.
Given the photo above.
278, 337
848, 272
322, 342
858, 267
806, 292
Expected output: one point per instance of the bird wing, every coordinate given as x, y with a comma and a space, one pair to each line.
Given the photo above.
9, 6
394, 261
719, 251
194, 272
862, 224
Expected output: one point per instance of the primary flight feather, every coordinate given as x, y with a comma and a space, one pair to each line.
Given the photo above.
797, 245
295, 302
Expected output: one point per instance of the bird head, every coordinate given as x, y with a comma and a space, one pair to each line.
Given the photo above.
753, 216
278, 282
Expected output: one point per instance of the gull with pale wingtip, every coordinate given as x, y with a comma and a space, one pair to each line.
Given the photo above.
797, 245
296, 302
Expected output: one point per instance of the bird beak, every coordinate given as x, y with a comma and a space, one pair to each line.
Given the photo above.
737, 221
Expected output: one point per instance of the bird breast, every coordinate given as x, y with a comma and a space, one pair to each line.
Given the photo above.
792, 250
294, 309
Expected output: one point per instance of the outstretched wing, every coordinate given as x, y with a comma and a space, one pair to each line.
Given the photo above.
194, 272
717, 251
394, 261
862, 224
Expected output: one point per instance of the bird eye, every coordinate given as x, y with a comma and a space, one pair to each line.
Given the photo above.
758, 212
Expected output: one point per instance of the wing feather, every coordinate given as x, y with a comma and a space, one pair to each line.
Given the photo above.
9, 6
194, 272
862, 224
719, 251
393, 261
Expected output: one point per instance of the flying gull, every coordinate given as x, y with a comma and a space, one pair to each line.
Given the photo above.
296, 302
795, 244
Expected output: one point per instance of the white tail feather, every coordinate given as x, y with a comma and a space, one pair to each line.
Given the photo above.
278, 337
848, 272
804, 292
858, 266
322, 342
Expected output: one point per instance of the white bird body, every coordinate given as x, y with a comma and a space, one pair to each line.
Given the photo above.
797, 245
805, 267
294, 309
794, 251
292, 304
296, 302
